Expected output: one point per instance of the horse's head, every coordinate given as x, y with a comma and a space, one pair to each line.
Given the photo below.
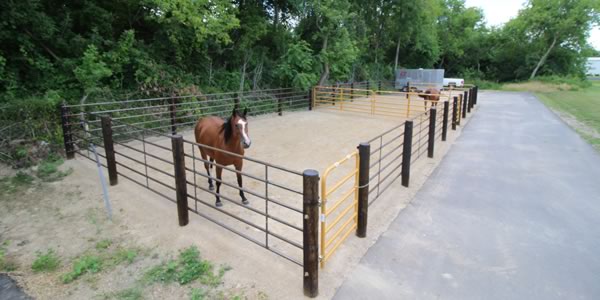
239, 124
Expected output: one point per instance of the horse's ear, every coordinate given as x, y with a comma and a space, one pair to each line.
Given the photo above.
245, 112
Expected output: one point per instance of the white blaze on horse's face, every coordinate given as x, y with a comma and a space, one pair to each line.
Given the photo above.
243, 127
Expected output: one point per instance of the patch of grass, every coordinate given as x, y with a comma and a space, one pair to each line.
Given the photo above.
197, 294
134, 293
124, 255
85, 264
103, 244
46, 262
187, 268
48, 170
584, 105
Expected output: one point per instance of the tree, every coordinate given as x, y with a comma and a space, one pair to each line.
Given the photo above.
552, 23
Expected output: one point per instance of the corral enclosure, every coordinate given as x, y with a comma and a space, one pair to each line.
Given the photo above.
283, 146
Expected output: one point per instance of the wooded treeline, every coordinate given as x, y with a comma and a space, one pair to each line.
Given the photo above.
77, 50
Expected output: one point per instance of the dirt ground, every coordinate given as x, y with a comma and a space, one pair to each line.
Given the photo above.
298, 140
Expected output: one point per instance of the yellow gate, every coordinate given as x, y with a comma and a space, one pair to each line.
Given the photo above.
338, 220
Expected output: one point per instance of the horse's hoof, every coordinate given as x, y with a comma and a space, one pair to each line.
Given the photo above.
245, 202
219, 204
211, 188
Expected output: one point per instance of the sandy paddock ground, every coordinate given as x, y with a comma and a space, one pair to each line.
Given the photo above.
297, 140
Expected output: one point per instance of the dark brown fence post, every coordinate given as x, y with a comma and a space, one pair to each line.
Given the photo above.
368, 85
310, 180
445, 121
379, 86
310, 99
279, 106
470, 101
364, 154
476, 94
238, 97
180, 181
464, 104
109, 148
173, 113
67, 133
454, 112
431, 137
406, 152
352, 91
459, 109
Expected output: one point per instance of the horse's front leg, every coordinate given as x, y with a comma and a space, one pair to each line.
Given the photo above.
218, 195
238, 168
207, 166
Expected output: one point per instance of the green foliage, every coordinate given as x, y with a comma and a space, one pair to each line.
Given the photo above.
6, 264
85, 264
197, 294
187, 268
12, 184
46, 262
297, 68
575, 83
134, 293
124, 255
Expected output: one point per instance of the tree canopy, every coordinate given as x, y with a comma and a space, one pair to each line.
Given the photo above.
73, 50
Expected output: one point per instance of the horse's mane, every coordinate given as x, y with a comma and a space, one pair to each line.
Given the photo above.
227, 130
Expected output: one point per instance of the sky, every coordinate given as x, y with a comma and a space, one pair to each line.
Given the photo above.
500, 12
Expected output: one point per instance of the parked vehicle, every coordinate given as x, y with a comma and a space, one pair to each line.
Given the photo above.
454, 82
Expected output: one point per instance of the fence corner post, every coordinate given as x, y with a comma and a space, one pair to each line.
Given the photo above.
470, 101
454, 112
476, 94
310, 183
406, 152
67, 133
364, 155
431, 136
445, 121
180, 181
109, 148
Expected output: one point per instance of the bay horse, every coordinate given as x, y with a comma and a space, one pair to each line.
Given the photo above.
432, 95
230, 135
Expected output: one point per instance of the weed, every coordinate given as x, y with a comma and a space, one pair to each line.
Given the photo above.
187, 268
103, 244
48, 169
197, 294
46, 262
83, 265
6, 264
124, 255
134, 293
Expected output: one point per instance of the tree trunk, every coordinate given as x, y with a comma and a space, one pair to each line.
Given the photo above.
543, 59
325, 73
243, 76
397, 54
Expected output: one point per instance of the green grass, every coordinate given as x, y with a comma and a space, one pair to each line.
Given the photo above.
85, 264
48, 169
103, 244
187, 268
583, 104
46, 262
6, 265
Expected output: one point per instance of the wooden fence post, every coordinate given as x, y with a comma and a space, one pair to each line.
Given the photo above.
454, 112
310, 180
310, 98
476, 94
173, 113
109, 148
431, 136
445, 121
279, 106
470, 102
406, 152
368, 85
379, 86
180, 181
67, 133
364, 154
352, 91
464, 104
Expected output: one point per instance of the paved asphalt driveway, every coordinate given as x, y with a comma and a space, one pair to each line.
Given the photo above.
512, 212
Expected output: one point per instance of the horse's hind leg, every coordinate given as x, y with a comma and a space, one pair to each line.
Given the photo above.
219, 173
238, 168
207, 166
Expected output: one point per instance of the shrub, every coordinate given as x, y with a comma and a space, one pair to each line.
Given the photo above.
46, 262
